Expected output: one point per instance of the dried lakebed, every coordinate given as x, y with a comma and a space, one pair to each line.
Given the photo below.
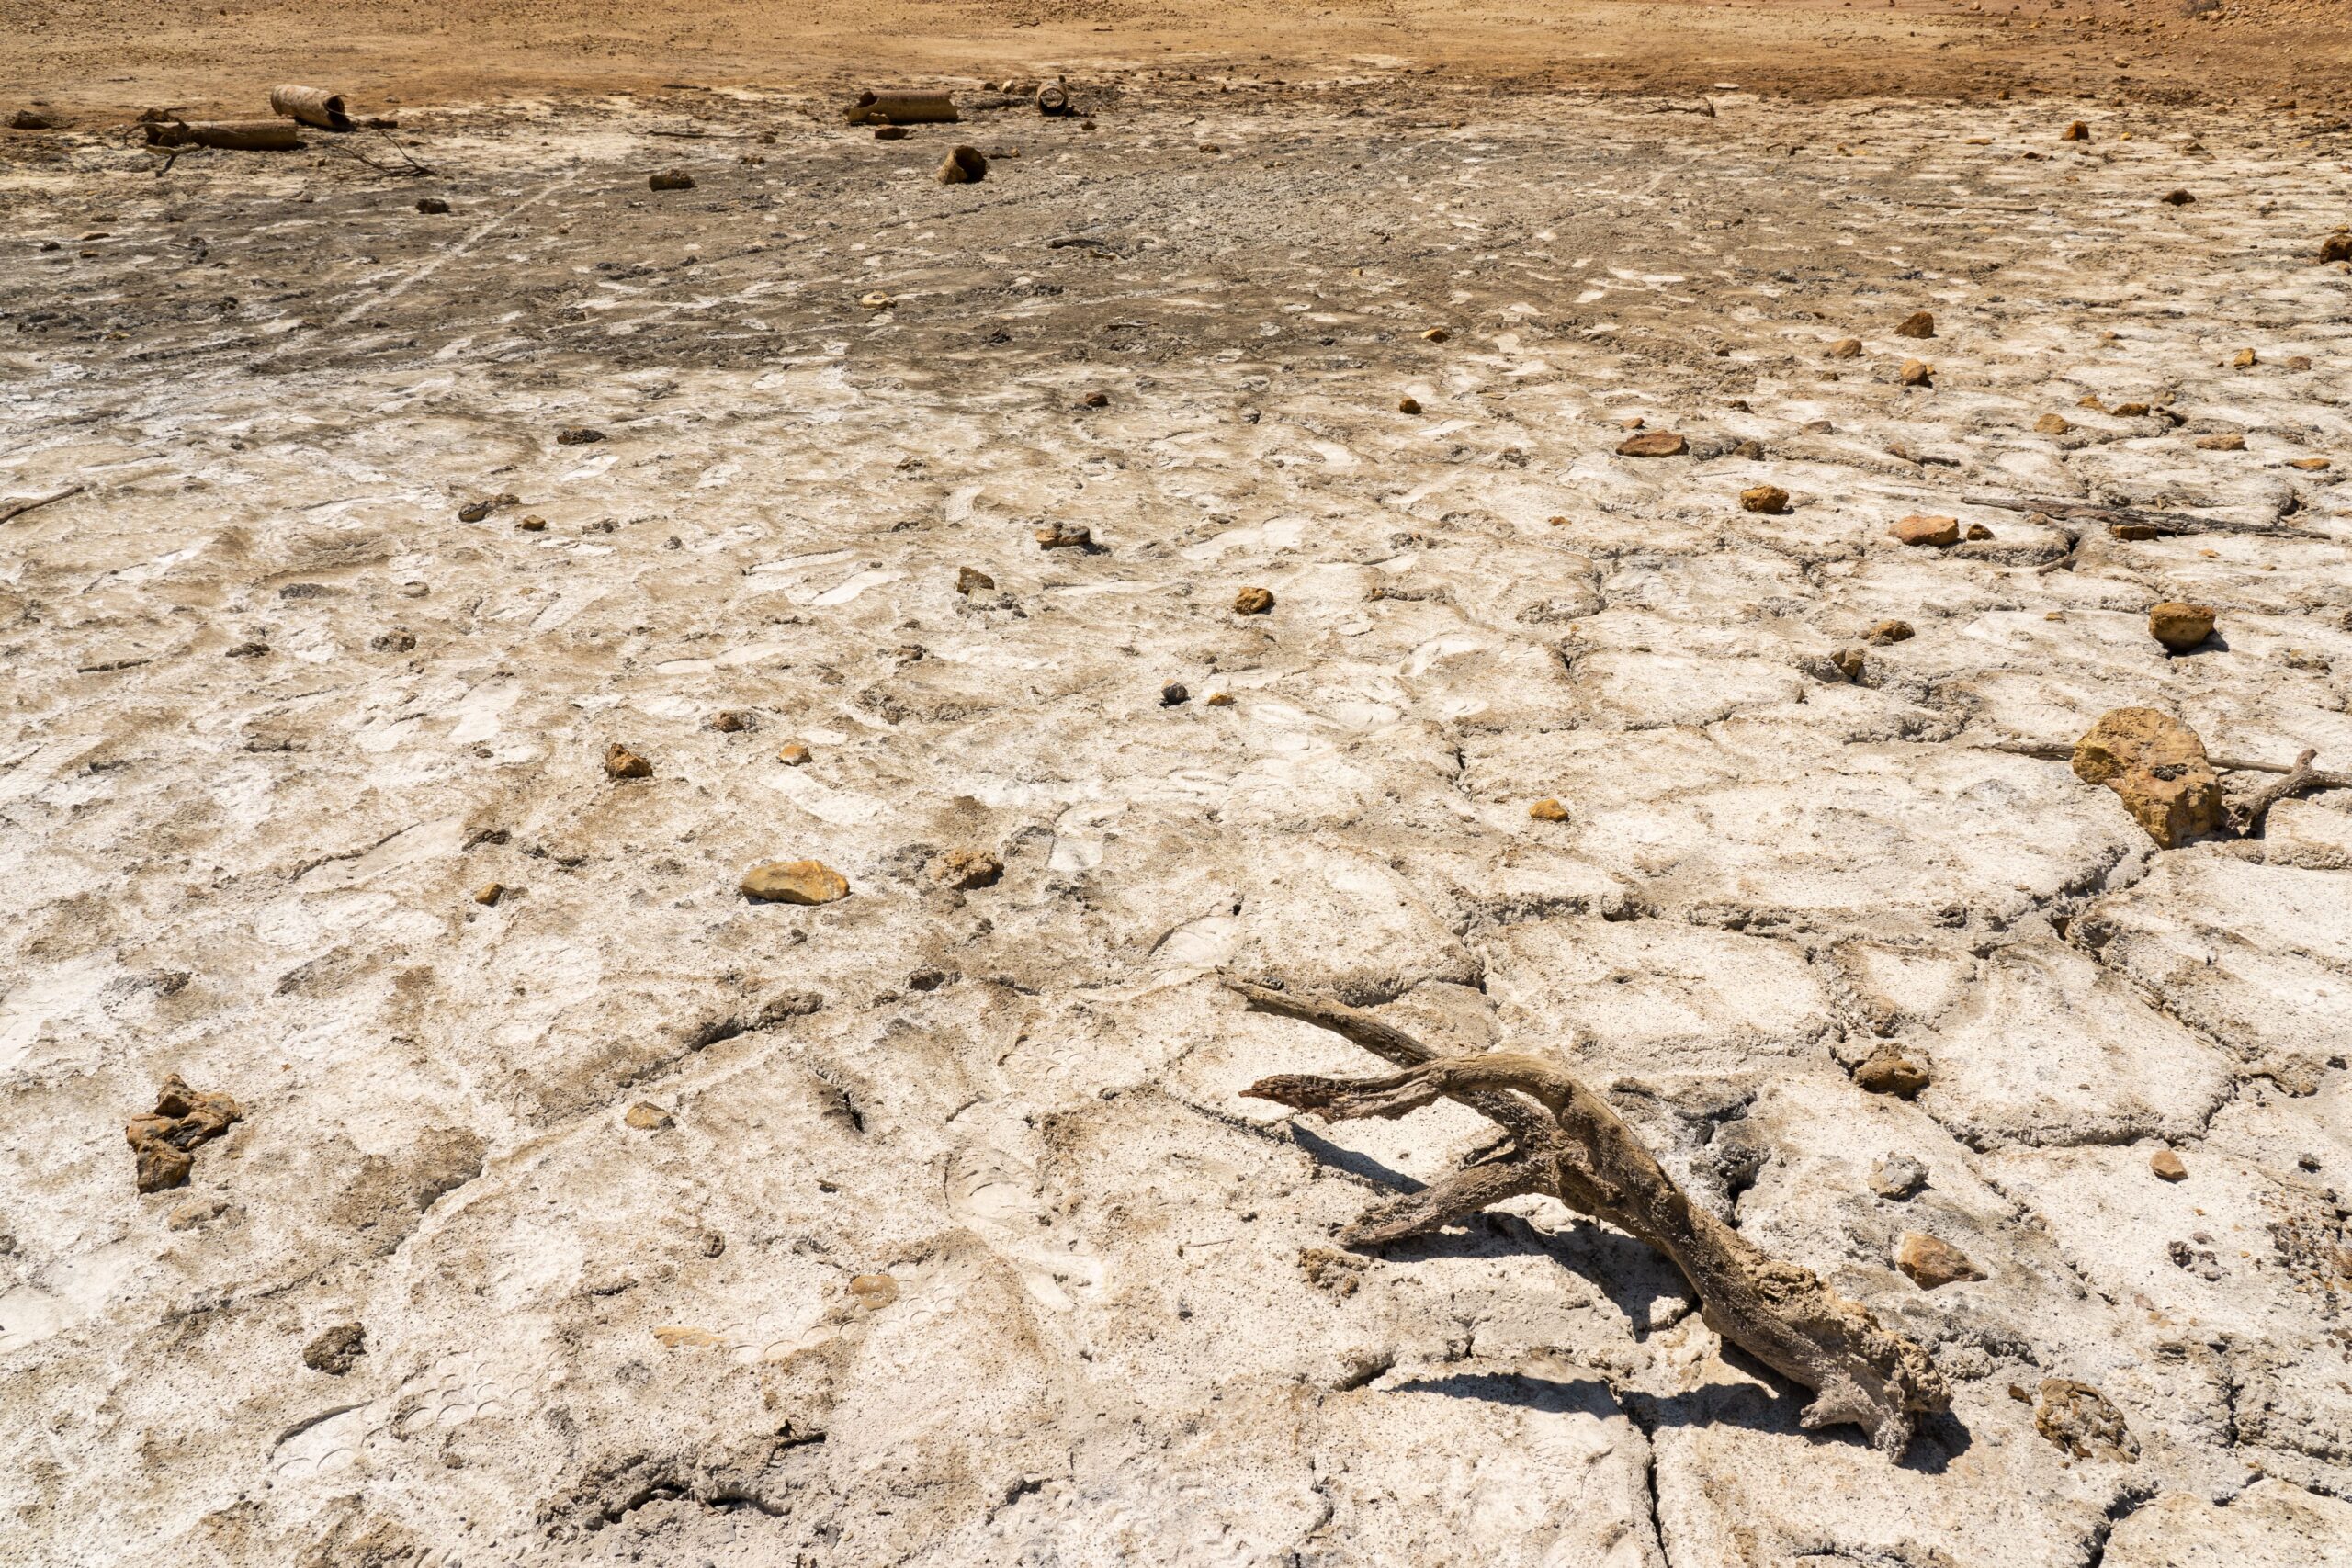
577, 1208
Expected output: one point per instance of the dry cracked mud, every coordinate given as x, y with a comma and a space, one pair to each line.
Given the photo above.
928, 1224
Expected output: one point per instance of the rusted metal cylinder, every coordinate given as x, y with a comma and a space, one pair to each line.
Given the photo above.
311, 106
238, 135
903, 108
1053, 98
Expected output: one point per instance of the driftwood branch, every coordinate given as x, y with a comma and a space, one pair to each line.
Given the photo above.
2136, 523
18, 508
2312, 778
2300, 777
1567, 1141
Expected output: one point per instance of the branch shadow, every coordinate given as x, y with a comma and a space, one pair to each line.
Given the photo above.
1939, 1439
1636, 1277
1633, 1277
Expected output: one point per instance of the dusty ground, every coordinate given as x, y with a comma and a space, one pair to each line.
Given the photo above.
99, 57
276, 712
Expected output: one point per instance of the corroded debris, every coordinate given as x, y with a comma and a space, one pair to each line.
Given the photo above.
2157, 766
794, 882
164, 1141
965, 870
336, 1350
2181, 626
2081, 1420
1929, 1262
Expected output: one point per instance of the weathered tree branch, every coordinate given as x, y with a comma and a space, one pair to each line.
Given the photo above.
2139, 521
1578, 1149
2300, 777
18, 508
2064, 752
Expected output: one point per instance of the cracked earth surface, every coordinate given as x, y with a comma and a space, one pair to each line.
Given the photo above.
928, 1225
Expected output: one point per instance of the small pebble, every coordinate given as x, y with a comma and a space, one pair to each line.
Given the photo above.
1548, 810
1253, 601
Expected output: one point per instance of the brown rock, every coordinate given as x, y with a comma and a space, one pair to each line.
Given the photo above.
1916, 373
489, 893
873, 1291
1653, 444
337, 1351
670, 179
398, 640
794, 882
1887, 632
1548, 809
2311, 465
1888, 1071
2079, 1419
2130, 410
2157, 765
1253, 601
1918, 323
1849, 663
1770, 500
2178, 198
620, 762
162, 1141
2181, 626
432, 205
966, 869
1065, 536
2053, 424
1846, 348
2167, 1165
1977, 531
891, 133
1220, 699
795, 754
970, 581
731, 721
1408, 405
1918, 529
533, 523
647, 1117
1095, 401
2221, 444
2337, 247
2078, 132
1436, 334
578, 436
2243, 359
1930, 1263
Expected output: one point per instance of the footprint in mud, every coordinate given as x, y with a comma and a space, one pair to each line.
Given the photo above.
993, 1192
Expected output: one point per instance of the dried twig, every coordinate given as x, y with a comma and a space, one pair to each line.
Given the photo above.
1567, 1141
18, 508
2143, 524
2300, 777
2064, 752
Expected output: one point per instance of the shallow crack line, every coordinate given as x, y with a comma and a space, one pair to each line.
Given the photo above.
453, 253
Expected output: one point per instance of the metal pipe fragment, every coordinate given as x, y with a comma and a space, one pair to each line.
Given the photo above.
311, 106
238, 135
902, 108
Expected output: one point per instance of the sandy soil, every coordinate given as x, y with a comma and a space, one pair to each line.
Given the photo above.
96, 57
930, 1224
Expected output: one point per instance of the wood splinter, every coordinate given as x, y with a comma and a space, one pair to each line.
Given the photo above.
1567, 1143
